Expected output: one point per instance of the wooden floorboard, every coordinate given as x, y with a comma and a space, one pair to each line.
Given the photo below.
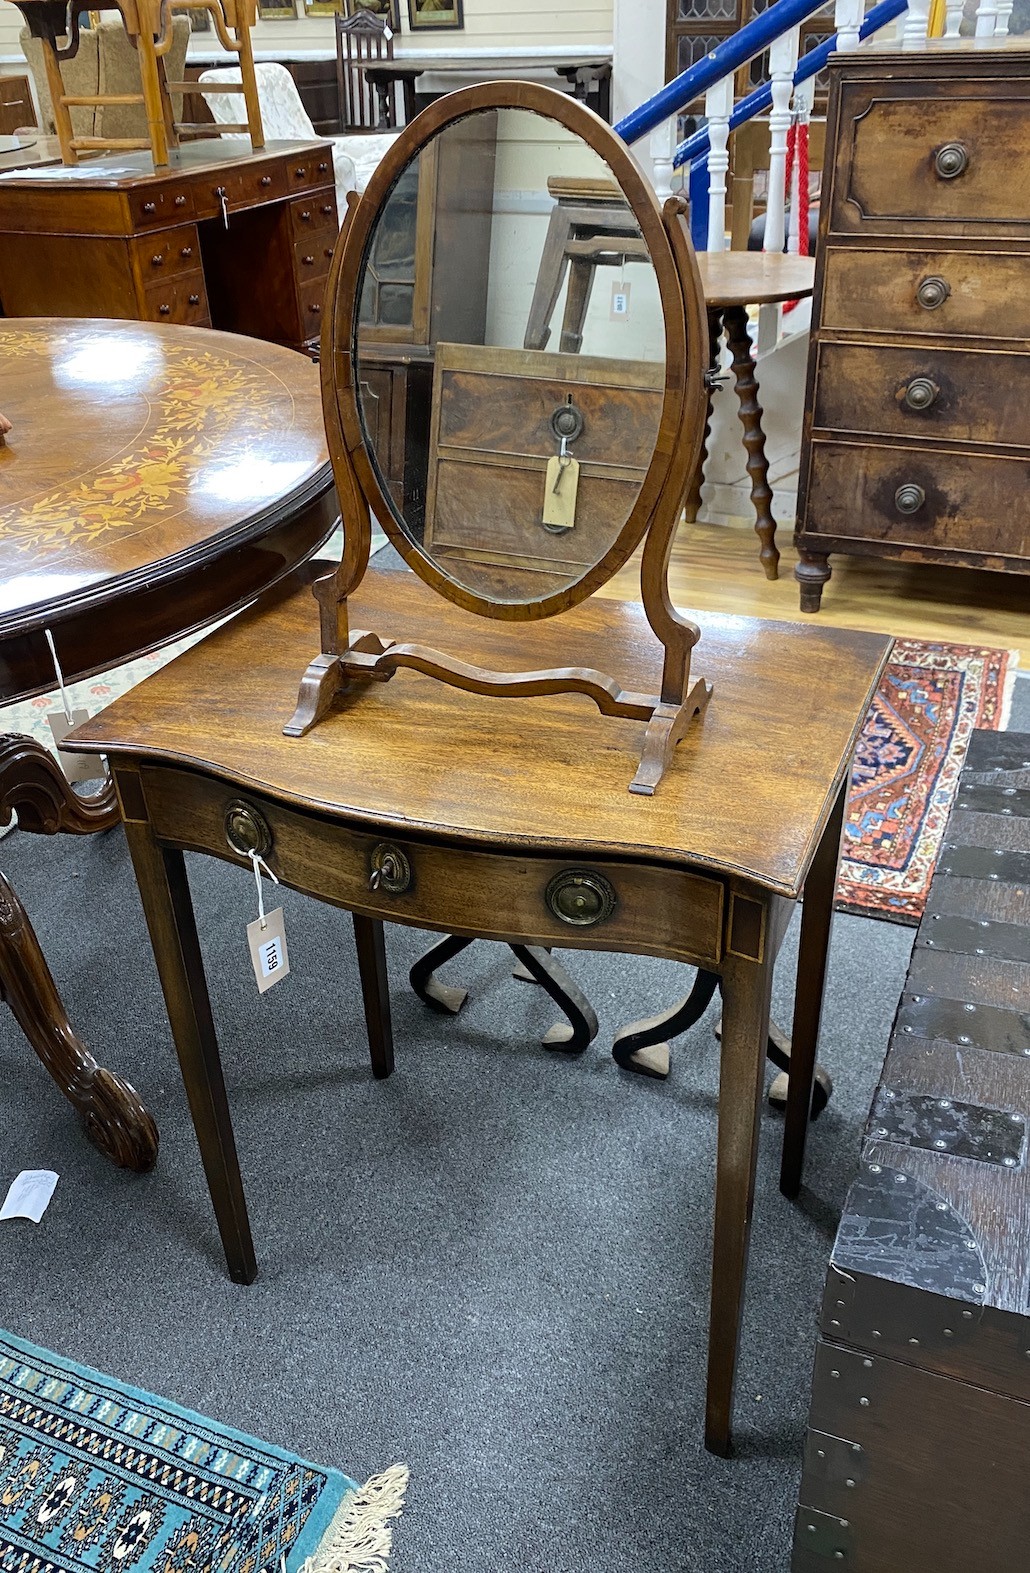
715, 568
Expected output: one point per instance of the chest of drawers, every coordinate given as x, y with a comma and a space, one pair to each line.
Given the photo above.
917, 426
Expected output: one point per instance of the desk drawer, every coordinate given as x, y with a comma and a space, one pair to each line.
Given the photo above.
916, 157
311, 298
313, 254
182, 299
171, 251
919, 497
979, 396
956, 293
160, 205
315, 212
306, 171
608, 905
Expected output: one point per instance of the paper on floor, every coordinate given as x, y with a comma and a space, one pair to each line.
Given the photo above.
29, 1195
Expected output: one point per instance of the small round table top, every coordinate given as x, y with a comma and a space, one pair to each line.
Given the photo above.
136, 446
754, 278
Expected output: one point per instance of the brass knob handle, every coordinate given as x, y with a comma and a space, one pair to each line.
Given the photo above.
194, 300
305, 217
180, 202
327, 208
933, 291
580, 897
909, 498
921, 393
322, 168
150, 207
187, 251
266, 180
389, 869
328, 252
308, 262
300, 172
246, 830
951, 160
164, 310
157, 261
316, 308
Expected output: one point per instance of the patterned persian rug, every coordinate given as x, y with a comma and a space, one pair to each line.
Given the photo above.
97, 1476
912, 748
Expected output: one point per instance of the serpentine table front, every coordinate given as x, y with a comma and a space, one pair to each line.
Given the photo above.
156, 479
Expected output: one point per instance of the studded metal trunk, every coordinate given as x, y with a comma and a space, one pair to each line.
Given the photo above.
919, 1431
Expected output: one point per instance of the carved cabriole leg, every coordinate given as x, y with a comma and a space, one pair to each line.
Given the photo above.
811, 571
692, 505
735, 323
112, 1111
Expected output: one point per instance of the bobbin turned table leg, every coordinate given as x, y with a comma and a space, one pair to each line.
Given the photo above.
734, 320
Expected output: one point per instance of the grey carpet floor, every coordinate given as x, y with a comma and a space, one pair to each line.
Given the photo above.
493, 1267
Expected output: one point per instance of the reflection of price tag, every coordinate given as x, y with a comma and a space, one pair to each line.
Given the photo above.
620, 303
76, 767
561, 483
267, 940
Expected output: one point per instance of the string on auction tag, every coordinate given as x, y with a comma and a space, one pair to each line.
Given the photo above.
65, 701
76, 767
266, 936
619, 309
258, 864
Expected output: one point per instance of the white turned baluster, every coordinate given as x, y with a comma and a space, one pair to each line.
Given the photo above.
847, 19
986, 18
718, 105
661, 146
917, 22
953, 13
1001, 27
783, 59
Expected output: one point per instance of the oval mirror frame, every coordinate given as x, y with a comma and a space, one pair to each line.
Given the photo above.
685, 357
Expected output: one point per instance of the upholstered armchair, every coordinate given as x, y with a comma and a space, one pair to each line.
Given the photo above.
106, 62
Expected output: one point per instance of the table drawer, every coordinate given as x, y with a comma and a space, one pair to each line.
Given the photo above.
160, 205
980, 396
608, 905
920, 497
171, 251
306, 171
182, 299
313, 254
925, 157
956, 293
315, 212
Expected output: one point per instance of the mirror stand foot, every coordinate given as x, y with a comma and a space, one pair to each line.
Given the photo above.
318, 688
667, 727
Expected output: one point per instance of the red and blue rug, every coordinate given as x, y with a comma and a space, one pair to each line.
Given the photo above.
96, 1477
913, 745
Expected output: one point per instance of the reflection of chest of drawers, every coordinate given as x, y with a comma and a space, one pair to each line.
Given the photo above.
917, 424
222, 237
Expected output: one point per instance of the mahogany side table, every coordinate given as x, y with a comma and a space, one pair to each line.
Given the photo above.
421, 804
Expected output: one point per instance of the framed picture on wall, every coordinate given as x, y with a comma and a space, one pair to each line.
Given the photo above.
389, 10
274, 10
424, 15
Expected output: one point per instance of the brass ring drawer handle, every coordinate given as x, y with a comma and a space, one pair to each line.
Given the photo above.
580, 897
951, 160
921, 394
246, 830
933, 291
909, 498
390, 869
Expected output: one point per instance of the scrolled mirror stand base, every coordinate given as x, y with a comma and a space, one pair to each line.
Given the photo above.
367, 659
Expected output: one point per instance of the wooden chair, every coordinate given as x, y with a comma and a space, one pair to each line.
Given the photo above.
148, 25
363, 39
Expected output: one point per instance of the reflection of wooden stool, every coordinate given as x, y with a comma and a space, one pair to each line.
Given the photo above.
148, 24
590, 227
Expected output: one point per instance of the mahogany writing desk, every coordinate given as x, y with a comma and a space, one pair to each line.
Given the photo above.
223, 236
486, 812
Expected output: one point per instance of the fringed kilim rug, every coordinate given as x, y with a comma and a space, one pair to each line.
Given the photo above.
913, 745
96, 1476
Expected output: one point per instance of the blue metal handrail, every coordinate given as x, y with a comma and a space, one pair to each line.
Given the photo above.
720, 62
809, 65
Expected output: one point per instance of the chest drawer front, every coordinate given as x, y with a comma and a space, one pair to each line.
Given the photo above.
954, 293
172, 251
179, 299
955, 395
307, 171
315, 212
613, 906
919, 497
930, 160
160, 206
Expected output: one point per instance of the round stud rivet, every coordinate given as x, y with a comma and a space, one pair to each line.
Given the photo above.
942, 1207
877, 1334
940, 1144
864, 1402
868, 1364
968, 1315
944, 1103
1010, 1163
875, 1168
850, 1484
969, 1007
979, 1288
948, 1333
835, 1373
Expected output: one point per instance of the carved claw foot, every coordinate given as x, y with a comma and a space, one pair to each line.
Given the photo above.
115, 1118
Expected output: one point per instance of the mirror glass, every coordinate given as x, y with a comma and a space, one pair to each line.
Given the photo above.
509, 354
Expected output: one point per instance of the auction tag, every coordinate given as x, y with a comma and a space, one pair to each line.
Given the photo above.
560, 486
76, 767
619, 310
267, 940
